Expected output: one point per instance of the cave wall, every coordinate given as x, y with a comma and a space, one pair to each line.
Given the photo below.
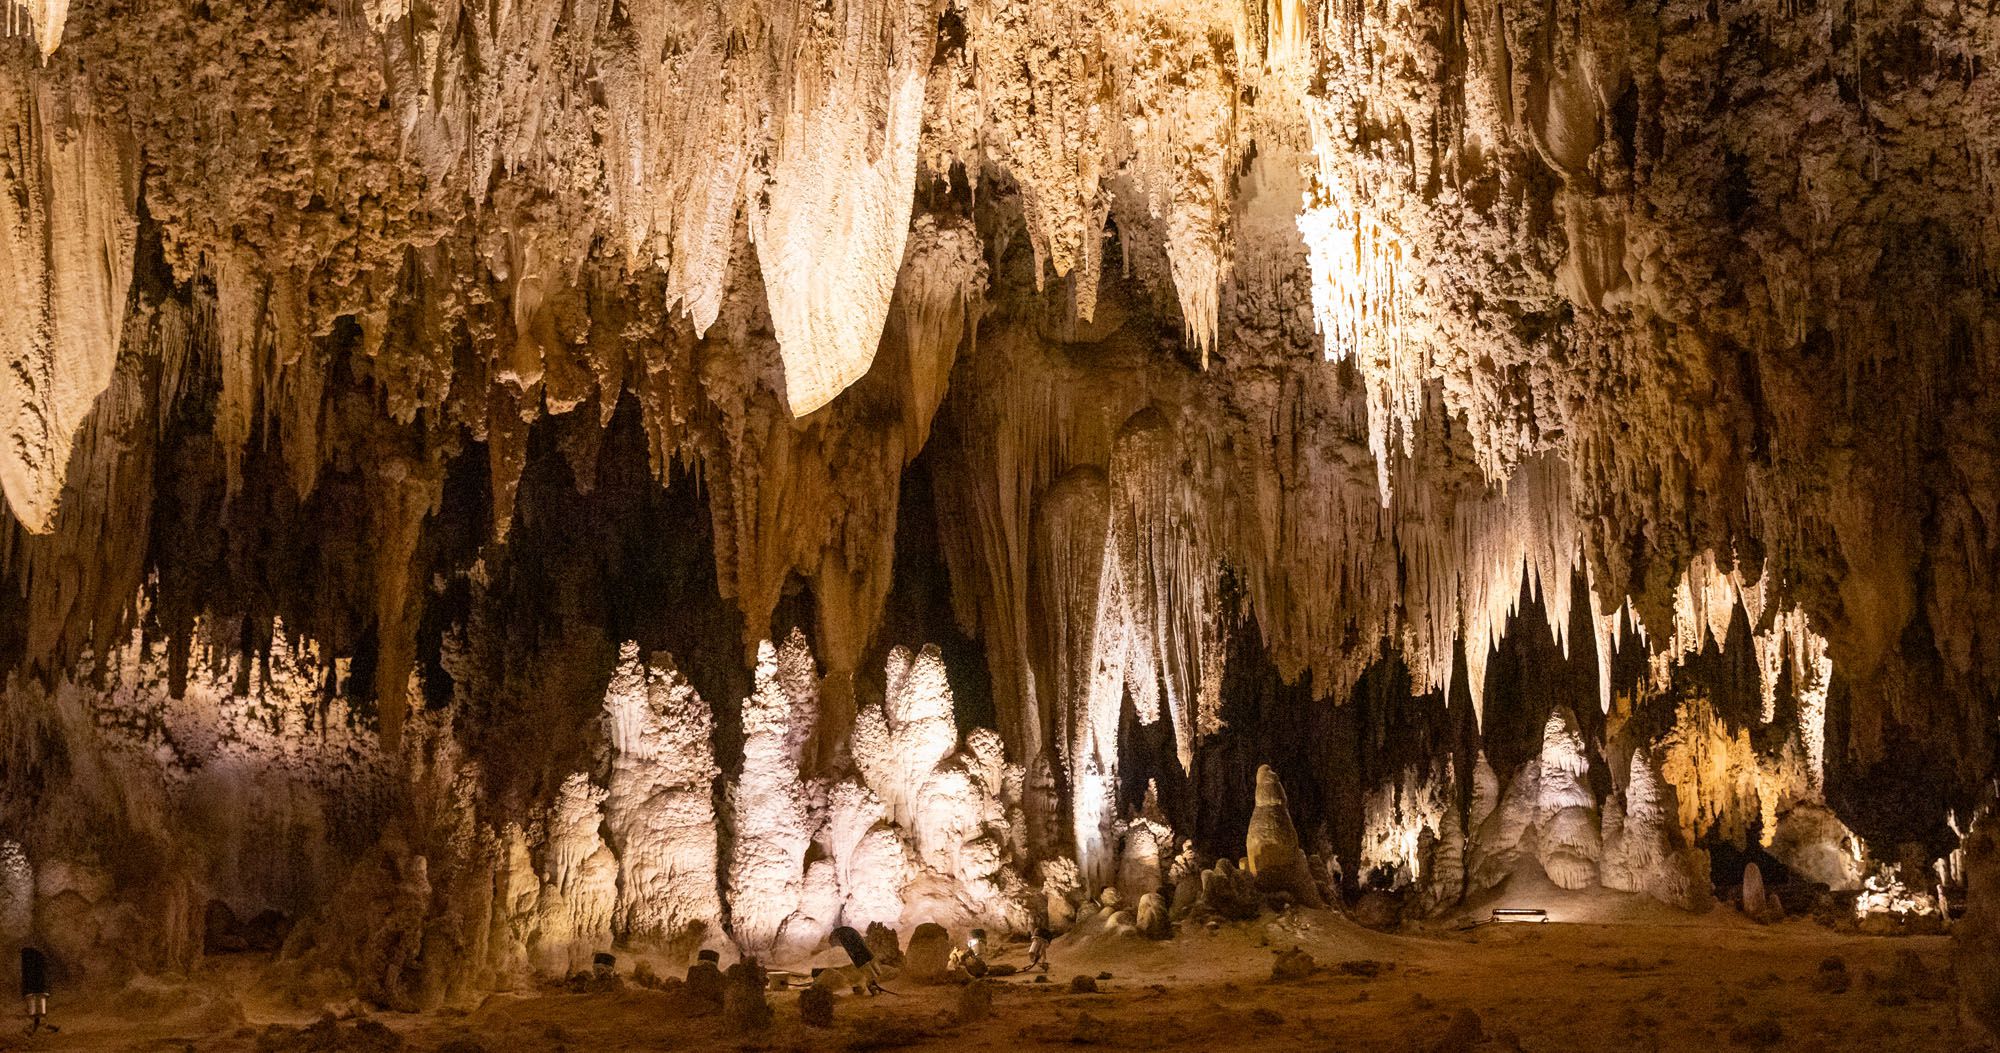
1557, 433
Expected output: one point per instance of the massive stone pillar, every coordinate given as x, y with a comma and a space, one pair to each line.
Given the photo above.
1976, 937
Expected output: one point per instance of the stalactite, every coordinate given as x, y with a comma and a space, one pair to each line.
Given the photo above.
839, 187
1166, 572
68, 225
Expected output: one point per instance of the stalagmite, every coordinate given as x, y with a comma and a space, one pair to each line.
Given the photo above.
658, 809
580, 889
1276, 860
1146, 390
1639, 853
1566, 819
767, 802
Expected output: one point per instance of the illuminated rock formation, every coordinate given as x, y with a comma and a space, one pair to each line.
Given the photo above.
383, 391
659, 812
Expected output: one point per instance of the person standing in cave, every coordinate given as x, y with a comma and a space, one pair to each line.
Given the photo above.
858, 953
1038, 950
35, 987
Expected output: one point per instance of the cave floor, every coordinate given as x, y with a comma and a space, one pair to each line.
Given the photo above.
1657, 981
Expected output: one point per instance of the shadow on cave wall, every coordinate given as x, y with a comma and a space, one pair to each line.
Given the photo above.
598, 553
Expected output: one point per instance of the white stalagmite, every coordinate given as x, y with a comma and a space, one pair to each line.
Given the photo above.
899, 744
948, 854
871, 862
579, 881
768, 803
68, 224
659, 811
1566, 817
1639, 853
831, 218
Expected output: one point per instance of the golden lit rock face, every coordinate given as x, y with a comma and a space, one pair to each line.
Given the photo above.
68, 190
1148, 341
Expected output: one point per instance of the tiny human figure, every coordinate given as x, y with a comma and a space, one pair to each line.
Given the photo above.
858, 953
35, 988
1038, 950
967, 960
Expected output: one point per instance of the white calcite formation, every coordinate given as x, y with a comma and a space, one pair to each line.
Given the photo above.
1400, 818
659, 808
839, 185
1358, 331
1567, 839
1640, 851
768, 806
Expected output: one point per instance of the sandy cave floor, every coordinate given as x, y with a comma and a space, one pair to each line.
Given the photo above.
1625, 976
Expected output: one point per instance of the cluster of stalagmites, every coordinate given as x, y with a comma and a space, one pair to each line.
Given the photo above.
651, 850
1393, 320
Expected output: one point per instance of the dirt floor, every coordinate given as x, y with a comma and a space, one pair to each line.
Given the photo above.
1610, 973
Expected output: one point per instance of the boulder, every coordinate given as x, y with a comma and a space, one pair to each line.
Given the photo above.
1230, 892
1294, 964
1462, 1035
816, 1007
744, 1008
1379, 910
1187, 894
881, 941
930, 950
1153, 923
705, 982
975, 1002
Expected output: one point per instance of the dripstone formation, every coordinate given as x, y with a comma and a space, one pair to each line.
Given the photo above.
484, 485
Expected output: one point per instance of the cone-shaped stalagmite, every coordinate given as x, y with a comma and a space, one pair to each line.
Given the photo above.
1276, 860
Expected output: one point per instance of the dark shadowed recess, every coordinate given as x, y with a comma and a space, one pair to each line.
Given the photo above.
919, 610
598, 553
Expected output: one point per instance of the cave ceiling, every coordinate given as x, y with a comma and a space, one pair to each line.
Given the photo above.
1369, 323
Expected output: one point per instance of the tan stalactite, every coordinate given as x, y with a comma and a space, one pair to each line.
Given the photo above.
405, 493
1168, 571
68, 224
842, 174
40, 20
1072, 523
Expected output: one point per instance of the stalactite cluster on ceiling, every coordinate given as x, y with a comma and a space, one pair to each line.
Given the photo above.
1379, 305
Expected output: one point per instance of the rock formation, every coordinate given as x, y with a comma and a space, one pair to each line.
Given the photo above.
1275, 858
1557, 437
